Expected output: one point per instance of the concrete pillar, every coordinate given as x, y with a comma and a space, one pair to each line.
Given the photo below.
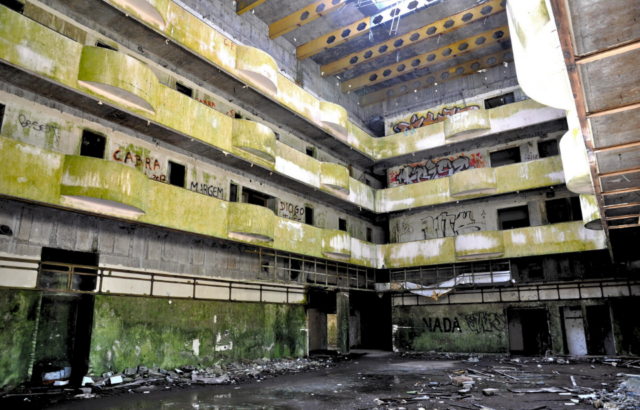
342, 301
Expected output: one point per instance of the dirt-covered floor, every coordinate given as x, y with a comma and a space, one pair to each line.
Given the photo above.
384, 381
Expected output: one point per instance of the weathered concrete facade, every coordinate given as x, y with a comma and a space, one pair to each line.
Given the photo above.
178, 189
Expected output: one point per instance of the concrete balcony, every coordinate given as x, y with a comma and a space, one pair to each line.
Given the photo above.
248, 222
104, 187
590, 212
258, 67
473, 182
334, 176
479, 245
466, 125
150, 11
334, 118
536, 240
118, 78
255, 139
336, 244
574, 158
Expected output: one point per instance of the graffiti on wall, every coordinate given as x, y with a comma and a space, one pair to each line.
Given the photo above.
429, 118
400, 229
48, 129
434, 169
446, 326
483, 322
447, 224
205, 189
291, 211
148, 165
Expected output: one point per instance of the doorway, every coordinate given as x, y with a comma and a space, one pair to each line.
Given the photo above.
575, 340
600, 332
63, 338
528, 331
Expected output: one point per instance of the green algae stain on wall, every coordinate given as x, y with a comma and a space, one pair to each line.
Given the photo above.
129, 331
19, 311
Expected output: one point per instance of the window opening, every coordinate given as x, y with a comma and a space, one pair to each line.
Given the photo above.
311, 152
563, 210
233, 193
342, 224
367, 182
505, 157
512, 218
14, 5
2, 107
308, 215
548, 148
184, 90
237, 116
176, 174
92, 145
105, 45
369, 235
499, 101
254, 197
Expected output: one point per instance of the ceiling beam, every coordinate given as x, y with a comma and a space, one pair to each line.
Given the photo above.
303, 16
439, 55
414, 37
334, 38
243, 6
438, 77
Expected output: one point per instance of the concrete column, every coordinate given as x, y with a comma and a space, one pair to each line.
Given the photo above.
342, 301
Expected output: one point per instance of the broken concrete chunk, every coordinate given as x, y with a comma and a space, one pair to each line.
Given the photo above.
107, 374
86, 380
130, 371
489, 392
460, 380
115, 380
142, 369
188, 368
210, 380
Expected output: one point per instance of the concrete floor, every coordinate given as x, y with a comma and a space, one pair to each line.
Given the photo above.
371, 375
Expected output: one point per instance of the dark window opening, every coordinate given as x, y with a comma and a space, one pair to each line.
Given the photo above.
2, 107
295, 268
528, 331
342, 224
505, 157
5, 230
367, 182
176, 174
233, 193
105, 45
311, 152
237, 116
184, 90
563, 210
308, 215
369, 235
57, 273
512, 218
548, 148
277, 136
499, 101
93, 145
529, 268
251, 196
14, 5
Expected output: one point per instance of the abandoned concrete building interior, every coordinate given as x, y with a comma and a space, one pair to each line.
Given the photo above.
188, 184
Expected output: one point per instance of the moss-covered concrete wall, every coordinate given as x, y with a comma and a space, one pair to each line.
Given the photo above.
19, 313
128, 331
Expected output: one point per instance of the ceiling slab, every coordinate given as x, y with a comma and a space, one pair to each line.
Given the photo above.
334, 38
435, 29
437, 77
303, 16
243, 6
443, 53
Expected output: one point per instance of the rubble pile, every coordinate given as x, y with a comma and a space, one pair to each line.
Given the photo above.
143, 379
512, 377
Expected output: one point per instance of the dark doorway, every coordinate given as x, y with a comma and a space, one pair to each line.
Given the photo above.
374, 313
528, 331
499, 101
177, 174
600, 334
320, 311
63, 338
308, 215
506, 156
251, 196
